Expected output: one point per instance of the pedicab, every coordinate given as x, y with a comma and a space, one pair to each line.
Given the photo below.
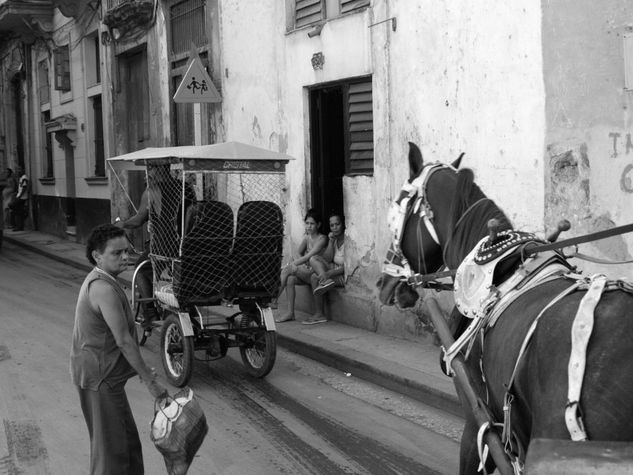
216, 239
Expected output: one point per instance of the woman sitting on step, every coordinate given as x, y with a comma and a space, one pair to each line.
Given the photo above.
329, 270
298, 271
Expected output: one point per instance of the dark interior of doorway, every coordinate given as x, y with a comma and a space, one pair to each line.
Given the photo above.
327, 149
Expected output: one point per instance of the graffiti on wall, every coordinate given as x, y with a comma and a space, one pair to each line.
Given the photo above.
626, 178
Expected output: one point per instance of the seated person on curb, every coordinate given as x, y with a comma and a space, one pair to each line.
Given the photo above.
328, 267
298, 271
158, 178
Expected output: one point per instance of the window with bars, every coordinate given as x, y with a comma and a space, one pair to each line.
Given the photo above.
43, 82
62, 68
308, 12
187, 25
360, 129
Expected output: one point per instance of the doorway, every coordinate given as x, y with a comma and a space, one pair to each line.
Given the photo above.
327, 148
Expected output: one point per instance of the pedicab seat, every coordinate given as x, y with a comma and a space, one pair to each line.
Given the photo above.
257, 250
204, 269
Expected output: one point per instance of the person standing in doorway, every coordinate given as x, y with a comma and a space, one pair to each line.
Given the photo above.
8, 197
20, 205
104, 354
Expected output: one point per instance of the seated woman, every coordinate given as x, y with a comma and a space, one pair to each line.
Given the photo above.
328, 267
298, 271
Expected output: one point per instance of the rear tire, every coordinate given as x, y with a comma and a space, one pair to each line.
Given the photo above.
259, 350
176, 352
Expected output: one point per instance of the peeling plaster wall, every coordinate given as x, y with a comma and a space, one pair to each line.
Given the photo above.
589, 150
453, 78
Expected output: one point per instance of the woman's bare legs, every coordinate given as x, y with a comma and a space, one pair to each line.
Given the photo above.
290, 293
319, 311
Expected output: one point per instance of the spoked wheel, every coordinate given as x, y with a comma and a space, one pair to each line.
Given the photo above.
259, 349
140, 332
176, 352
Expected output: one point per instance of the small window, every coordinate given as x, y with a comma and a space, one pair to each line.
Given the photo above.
98, 149
360, 129
62, 68
43, 83
628, 61
93, 60
308, 12
350, 5
49, 170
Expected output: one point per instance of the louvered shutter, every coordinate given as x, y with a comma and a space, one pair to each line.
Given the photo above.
349, 5
361, 129
307, 12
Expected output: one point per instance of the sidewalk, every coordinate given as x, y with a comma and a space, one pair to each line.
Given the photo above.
403, 366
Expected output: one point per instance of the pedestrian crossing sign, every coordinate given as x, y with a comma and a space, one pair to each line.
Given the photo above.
196, 85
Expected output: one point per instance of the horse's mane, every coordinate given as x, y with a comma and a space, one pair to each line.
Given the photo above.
467, 223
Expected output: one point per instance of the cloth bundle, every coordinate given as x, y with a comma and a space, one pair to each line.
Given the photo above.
178, 429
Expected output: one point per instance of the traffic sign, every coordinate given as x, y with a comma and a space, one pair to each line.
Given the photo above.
196, 85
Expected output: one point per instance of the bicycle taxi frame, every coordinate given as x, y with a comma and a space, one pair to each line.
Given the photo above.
216, 231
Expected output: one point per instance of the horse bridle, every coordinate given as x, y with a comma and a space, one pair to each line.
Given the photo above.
398, 214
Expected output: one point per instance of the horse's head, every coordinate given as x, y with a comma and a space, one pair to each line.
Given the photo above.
419, 224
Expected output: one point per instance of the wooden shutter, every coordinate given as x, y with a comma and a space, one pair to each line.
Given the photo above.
360, 129
349, 5
307, 12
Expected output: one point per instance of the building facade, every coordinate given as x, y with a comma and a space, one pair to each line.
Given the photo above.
342, 86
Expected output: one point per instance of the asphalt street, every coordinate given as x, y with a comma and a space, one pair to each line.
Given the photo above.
304, 418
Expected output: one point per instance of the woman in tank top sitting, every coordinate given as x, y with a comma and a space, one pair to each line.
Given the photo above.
328, 268
298, 271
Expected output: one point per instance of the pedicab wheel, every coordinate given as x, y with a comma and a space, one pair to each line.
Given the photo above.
259, 349
141, 337
176, 352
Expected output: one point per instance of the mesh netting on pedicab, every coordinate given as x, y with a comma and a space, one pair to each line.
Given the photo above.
215, 235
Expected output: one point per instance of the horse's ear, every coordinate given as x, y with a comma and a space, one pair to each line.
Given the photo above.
416, 162
456, 163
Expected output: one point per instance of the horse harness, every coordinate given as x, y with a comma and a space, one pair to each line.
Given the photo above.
415, 201
478, 298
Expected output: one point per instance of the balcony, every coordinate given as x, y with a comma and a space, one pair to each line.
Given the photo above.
125, 17
25, 19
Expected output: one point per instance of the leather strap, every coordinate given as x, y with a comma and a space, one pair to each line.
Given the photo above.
580, 333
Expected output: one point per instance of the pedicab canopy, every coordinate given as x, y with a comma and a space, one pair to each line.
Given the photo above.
233, 157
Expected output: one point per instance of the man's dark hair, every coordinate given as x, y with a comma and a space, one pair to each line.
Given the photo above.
99, 237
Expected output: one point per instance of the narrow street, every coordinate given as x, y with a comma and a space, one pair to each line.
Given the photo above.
304, 418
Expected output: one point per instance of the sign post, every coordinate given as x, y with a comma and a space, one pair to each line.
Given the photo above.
196, 87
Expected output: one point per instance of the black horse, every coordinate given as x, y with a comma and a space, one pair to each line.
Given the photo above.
459, 220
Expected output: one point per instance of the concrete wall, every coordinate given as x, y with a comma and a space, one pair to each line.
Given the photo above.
589, 150
453, 77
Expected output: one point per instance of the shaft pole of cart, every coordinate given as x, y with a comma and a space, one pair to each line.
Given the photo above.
474, 401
